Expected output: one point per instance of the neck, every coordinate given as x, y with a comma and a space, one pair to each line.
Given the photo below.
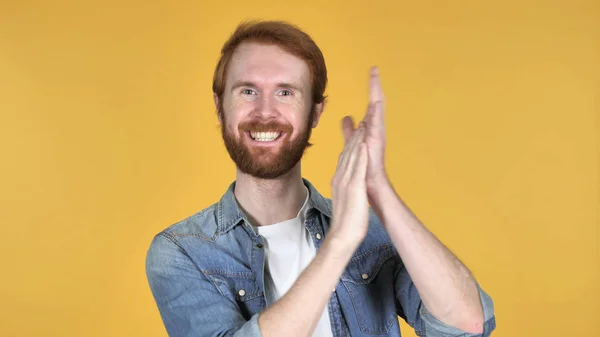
269, 201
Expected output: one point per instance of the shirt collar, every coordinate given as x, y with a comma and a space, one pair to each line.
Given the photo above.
229, 213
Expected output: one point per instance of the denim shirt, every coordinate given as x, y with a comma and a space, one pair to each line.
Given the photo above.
206, 274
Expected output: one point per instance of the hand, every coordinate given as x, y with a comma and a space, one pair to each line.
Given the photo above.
375, 133
349, 192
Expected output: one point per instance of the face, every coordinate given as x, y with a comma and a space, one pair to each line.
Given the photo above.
266, 112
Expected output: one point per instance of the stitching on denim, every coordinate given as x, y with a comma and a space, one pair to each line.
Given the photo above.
331, 308
371, 251
247, 297
220, 217
192, 218
171, 238
198, 235
243, 275
251, 248
215, 281
358, 317
383, 258
256, 272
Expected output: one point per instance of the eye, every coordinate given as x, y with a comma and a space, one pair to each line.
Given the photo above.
285, 92
248, 92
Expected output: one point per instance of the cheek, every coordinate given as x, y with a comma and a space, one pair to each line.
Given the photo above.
299, 106
297, 110
234, 111
302, 115
237, 103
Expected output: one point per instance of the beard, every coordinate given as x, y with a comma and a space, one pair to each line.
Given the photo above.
266, 162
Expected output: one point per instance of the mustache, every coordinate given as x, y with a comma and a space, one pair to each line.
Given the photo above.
264, 126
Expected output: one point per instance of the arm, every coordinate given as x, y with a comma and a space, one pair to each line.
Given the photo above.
447, 288
312, 289
410, 307
451, 297
311, 292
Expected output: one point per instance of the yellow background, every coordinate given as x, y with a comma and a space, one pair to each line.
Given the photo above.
108, 135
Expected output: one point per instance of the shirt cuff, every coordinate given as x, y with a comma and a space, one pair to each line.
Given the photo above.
435, 328
249, 329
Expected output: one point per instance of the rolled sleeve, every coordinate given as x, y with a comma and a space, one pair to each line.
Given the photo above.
433, 327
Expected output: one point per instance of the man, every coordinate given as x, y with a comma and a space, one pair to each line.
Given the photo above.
275, 258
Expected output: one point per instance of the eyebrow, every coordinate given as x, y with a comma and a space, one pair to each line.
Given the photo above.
253, 85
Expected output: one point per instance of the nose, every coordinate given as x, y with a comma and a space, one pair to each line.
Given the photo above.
265, 108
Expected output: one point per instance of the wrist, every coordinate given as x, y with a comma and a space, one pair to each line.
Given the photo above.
377, 186
341, 243
378, 180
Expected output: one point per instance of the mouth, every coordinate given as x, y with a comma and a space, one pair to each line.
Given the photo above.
264, 137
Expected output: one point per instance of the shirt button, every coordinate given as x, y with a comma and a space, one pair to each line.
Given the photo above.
365, 276
242, 292
318, 236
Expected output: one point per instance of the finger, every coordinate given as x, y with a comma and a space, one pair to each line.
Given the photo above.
360, 169
355, 137
376, 99
343, 161
347, 128
375, 90
369, 114
354, 150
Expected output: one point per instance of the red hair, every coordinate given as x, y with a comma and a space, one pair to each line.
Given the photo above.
286, 36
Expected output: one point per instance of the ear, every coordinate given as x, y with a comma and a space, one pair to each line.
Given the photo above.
216, 100
318, 111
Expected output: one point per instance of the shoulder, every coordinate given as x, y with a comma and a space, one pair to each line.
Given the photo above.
202, 225
178, 242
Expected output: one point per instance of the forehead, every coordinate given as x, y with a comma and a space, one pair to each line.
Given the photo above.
266, 64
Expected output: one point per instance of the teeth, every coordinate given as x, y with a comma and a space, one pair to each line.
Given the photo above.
265, 136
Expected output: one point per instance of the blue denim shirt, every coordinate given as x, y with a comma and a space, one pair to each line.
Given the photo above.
206, 274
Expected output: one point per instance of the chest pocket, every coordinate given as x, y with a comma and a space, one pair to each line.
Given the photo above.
369, 280
242, 289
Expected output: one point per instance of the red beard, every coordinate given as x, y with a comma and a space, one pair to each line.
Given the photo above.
266, 162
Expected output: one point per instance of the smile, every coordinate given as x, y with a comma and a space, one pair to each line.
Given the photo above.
265, 136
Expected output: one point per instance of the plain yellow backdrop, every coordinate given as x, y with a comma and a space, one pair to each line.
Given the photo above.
108, 135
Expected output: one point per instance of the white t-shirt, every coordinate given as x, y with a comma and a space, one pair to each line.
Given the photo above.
288, 250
